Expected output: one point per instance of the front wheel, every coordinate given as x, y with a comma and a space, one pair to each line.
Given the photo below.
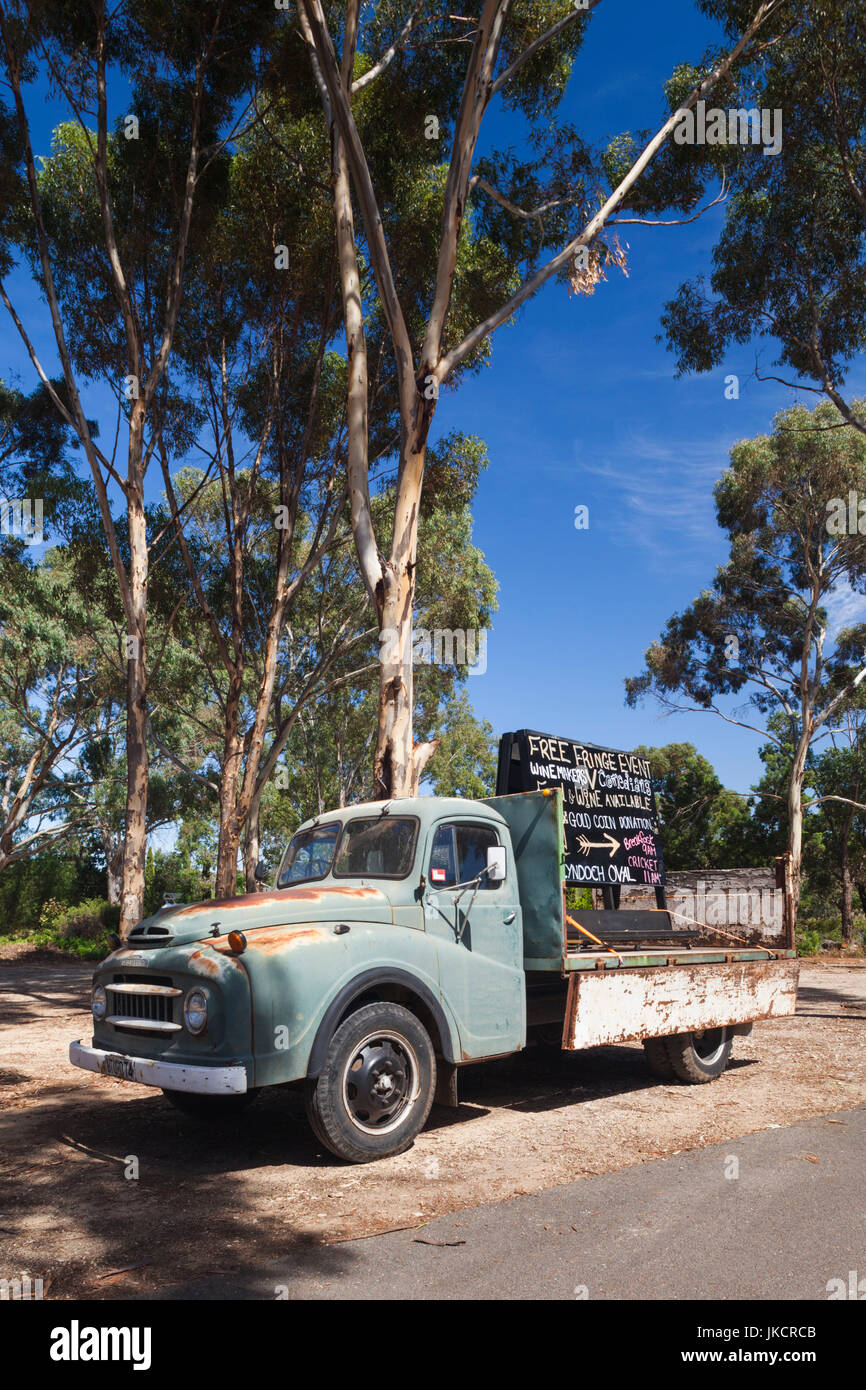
699, 1056
376, 1087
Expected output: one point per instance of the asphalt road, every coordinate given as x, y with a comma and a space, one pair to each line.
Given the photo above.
790, 1221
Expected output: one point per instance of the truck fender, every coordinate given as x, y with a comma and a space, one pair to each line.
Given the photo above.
361, 984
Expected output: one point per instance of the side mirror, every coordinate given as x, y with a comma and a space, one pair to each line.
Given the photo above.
262, 873
495, 863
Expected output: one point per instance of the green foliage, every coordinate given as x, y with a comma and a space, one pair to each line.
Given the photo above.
808, 941
257, 387
176, 875
51, 912
464, 764
790, 263
327, 758
80, 930
766, 610
703, 826
36, 463
87, 948
27, 886
88, 921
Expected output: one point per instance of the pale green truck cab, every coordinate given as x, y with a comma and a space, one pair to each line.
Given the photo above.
401, 941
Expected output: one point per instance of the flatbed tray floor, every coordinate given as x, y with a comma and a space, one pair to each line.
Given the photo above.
578, 958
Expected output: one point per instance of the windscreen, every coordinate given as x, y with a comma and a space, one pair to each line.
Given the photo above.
377, 847
309, 854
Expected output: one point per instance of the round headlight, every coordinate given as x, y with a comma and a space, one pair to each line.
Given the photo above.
195, 1011
98, 1003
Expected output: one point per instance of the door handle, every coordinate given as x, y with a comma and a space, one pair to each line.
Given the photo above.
508, 918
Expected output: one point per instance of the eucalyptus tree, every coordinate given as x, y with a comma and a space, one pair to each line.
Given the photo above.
321, 753
704, 825
38, 476
266, 396
52, 684
790, 263
326, 762
322, 714
153, 93
838, 779
248, 672
764, 630
507, 224
262, 393
834, 809
325, 663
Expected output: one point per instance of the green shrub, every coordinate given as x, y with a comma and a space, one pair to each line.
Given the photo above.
51, 912
84, 947
89, 921
172, 875
28, 886
808, 942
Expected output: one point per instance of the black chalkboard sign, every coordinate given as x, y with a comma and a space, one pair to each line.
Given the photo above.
611, 821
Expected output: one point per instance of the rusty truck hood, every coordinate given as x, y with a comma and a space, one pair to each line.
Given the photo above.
285, 907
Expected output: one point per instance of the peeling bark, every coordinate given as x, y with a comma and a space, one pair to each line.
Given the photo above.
847, 904
137, 757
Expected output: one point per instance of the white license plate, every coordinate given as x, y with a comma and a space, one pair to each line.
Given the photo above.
115, 1065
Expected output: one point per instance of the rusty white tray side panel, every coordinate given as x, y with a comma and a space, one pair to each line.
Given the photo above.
624, 1006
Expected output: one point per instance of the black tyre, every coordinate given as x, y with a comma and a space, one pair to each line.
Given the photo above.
700, 1056
658, 1059
376, 1087
209, 1109
547, 1036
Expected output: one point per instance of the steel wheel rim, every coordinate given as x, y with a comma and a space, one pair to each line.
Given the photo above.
709, 1044
381, 1082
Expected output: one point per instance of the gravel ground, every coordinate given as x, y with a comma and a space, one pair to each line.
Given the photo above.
212, 1201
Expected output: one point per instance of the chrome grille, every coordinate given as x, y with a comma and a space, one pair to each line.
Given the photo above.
143, 1003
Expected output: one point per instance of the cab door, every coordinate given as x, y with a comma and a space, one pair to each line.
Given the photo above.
479, 936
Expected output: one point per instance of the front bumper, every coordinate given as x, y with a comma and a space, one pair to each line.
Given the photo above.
170, 1076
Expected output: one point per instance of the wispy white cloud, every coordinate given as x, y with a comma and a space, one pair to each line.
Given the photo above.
845, 608
662, 489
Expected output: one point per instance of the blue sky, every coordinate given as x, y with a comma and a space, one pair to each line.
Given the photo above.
580, 406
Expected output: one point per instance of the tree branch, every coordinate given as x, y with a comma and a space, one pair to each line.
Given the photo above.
472, 340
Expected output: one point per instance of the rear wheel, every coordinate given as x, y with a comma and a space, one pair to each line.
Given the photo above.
209, 1109
699, 1056
658, 1059
376, 1087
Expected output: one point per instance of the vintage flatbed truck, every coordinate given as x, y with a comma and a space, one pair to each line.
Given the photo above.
401, 942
